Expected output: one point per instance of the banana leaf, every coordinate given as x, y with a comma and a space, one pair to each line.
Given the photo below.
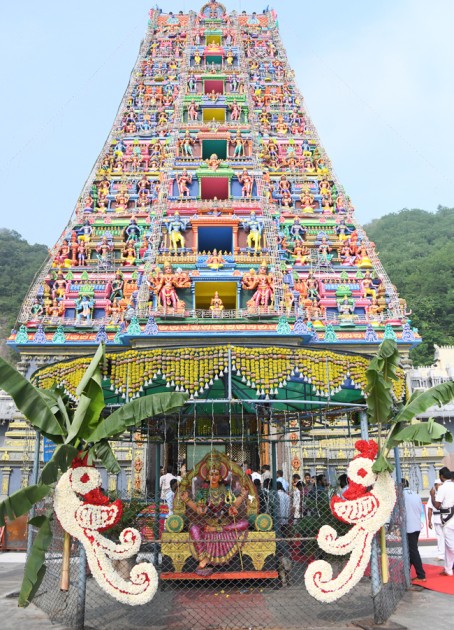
382, 464
380, 374
134, 412
379, 397
61, 460
58, 403
29, 401
91, 401
428, 432
35, 568
103, 451
419, 403
22, 501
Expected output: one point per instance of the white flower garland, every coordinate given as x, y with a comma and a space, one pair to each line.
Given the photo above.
84, 520
367, 513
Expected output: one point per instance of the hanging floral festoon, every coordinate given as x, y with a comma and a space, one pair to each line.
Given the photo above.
367, 511
85, 518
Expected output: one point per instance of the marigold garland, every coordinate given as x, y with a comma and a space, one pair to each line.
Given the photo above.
194, 369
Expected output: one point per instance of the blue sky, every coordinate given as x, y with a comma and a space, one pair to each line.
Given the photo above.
377, 79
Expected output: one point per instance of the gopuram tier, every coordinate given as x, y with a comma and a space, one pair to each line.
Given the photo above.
214, 252
212, 211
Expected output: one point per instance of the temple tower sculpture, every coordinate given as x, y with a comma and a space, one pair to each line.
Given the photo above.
212, 248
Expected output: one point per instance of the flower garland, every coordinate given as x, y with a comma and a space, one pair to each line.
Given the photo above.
265, 369
85, 519
367, 512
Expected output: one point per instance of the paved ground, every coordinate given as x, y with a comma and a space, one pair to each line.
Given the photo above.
419, 609
11, 616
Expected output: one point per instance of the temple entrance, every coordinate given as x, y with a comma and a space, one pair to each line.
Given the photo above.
257, 453
211, 238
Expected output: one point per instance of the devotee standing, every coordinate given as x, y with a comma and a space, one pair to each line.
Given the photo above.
413, 511
164, 482
434, 522
280, 478
170, 495
443, 500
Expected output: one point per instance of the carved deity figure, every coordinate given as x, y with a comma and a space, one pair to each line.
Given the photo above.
235, 110
183, 182
84, 308
186, 144
164, 285
238, 143
216, 305
255, 227
213, 162
218, 519
215, 260
247, 182
175, 228
193, 110
263, 284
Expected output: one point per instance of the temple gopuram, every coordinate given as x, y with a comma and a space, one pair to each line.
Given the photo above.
214, 252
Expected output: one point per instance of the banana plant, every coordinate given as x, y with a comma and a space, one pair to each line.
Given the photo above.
397, 420
78, 430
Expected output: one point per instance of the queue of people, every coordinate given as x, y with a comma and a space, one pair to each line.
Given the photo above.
440, 518
287, 504
442, 499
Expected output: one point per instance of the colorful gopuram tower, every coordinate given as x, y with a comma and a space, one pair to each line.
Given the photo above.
212, 248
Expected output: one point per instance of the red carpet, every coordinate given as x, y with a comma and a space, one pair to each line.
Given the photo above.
435, 581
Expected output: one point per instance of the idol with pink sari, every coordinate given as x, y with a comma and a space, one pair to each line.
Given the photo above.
217, 531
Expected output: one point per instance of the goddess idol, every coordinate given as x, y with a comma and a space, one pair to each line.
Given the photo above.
217, 530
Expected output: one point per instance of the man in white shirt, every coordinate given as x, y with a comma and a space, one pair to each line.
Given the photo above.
170, 495
284, 505
413, 511
280, 478
443, 500
164, 482
266, 473
434, 522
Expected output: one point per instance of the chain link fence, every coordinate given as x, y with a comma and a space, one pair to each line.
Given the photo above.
397, 563
254, 577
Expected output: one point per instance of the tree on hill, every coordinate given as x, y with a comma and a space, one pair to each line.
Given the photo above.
416, 249
19, 262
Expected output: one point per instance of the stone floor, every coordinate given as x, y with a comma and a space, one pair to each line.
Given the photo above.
418, 610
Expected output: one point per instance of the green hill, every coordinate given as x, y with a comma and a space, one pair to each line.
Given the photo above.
417, 250
19, 262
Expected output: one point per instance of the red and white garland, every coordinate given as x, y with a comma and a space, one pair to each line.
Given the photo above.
85, 519
367, 512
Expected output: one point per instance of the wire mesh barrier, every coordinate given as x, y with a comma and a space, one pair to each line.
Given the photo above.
397, 563
221, 565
